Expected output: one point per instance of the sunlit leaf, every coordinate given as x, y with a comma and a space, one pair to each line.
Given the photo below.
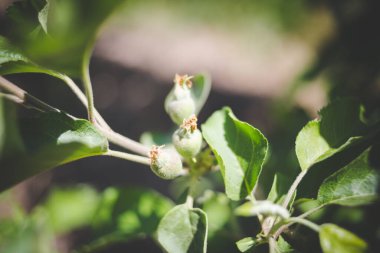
44, 141
355, 184
200, 90
340, 127
240, 150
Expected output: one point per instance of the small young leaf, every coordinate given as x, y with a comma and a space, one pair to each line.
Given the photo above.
279, 189
354, 184
183, 230
43, 17
47, 140
246, 243
335, 239
240, 150
200, 90
154, 138
284, 247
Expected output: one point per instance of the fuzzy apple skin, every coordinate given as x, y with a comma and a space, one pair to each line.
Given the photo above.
179, 110
179, 104
167, 164
187, 143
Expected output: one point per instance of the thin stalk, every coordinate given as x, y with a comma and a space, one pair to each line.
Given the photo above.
125, 142
311, 211
129, 157
82, 97
87, 84
293, 188
305, 222
272, 245
11, 88
112, 136
189, 201
24, 97
293, 220
190, 193
11, 97
30, 101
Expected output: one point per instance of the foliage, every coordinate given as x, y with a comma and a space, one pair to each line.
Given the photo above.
339, 146
240, 150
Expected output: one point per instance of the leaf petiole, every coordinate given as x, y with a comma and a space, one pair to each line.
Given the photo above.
87, 83
293, 188
129, 157
304, 222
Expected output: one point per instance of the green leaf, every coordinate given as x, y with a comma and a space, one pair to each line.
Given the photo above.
240, 150
21, 231
130, 210
10, 138
246, 243
70, 208
283, 246
341, 120
43, 17
200, 90
24, 16
72, 26
8, 53
127, 213
30, 235
279, 189
183, 229
354, 184
304, 204
13, 60
179, 188
340, 127
335, 239
155, 138
44, 141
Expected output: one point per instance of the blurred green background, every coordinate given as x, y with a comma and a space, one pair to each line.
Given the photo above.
274, 62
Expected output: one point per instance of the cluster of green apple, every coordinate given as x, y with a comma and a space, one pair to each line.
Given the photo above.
187, 139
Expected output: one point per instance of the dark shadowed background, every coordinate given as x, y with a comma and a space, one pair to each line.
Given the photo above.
275, 63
